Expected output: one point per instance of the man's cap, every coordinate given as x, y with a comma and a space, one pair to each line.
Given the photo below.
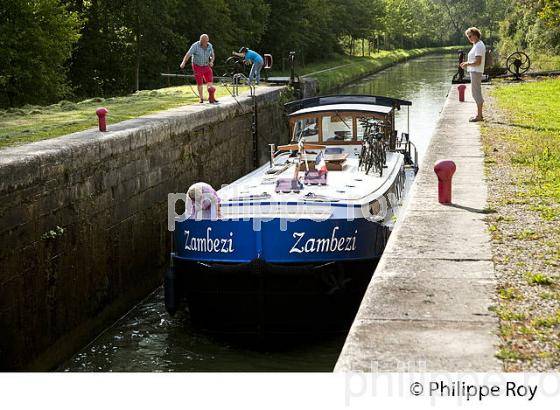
243, 50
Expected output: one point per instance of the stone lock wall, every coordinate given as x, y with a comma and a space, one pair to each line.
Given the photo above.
83, 218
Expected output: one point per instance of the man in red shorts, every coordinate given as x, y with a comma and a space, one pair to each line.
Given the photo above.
202, 54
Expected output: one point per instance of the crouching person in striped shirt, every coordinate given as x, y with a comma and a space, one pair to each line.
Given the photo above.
203, 57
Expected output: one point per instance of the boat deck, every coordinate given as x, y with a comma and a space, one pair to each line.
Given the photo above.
348, 186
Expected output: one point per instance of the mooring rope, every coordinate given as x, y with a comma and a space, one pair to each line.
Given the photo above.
190, 86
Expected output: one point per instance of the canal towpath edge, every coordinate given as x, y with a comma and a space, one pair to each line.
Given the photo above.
429, 306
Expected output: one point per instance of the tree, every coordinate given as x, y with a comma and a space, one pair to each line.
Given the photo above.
124, 46
399, 21
212, 17
149, 28
321, 32
101, 61
36, 39
359, 19
464, 14
283, 34
249, 22
527, 27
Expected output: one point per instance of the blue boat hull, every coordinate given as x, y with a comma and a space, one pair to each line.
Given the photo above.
265, 287
265, 304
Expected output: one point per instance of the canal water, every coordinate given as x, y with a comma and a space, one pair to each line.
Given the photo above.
424, 81
147, 339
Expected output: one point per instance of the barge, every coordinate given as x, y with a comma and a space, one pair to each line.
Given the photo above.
288, 250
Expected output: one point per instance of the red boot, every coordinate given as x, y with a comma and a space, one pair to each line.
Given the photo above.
211, 97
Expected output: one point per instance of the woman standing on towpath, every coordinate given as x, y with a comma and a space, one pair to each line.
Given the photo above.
475, 67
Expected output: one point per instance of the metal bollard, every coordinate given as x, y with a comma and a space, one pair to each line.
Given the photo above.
444, 170
101, 114
462, 89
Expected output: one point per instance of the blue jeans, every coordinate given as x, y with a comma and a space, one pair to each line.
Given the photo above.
255, 73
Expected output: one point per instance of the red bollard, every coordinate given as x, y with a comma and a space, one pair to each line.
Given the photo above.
461, 89
444, 170
211, 97
101, 114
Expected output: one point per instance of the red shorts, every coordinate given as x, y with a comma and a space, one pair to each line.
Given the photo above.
202, 74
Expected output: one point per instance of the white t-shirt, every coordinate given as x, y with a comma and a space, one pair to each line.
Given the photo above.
478, 49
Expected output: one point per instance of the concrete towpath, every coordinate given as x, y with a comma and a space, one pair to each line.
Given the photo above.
428, 306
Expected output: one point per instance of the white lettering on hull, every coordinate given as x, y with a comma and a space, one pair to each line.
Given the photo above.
208, 244
315, 245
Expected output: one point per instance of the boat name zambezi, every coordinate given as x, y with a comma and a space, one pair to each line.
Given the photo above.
209, 244
335, 243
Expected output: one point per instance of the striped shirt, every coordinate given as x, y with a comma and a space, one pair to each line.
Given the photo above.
200, 55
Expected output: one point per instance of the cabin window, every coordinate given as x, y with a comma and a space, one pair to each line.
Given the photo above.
307, 128
337, 127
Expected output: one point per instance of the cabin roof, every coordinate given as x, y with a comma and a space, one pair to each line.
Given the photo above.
374, 101
380, 109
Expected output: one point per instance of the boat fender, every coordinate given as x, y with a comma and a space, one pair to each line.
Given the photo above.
170, 291
204, 200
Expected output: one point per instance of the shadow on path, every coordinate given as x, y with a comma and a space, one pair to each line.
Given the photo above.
484, 211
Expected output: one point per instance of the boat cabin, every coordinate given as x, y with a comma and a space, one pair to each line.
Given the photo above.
343, 119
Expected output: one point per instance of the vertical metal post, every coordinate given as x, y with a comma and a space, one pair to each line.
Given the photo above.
292, 58
392, 136
255, 127
408, 120
272, 149
235, 85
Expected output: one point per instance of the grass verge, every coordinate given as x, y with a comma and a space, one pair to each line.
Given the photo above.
34, 123
522, 146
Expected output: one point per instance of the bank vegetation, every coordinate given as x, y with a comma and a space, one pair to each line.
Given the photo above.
76, 49
522, 144
31, 123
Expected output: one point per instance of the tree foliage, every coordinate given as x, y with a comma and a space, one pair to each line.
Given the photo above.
550, 13
90, 48
36, 39
531, 26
